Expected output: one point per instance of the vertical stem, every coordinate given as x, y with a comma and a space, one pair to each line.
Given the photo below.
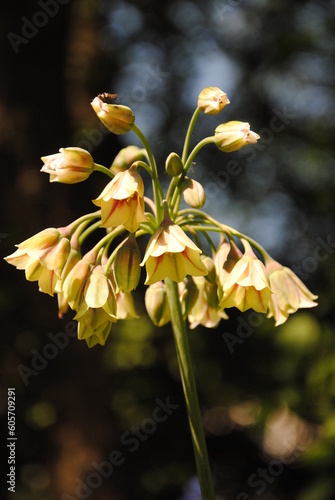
190, 391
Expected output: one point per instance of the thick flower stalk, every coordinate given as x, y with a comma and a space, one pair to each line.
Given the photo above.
189, 282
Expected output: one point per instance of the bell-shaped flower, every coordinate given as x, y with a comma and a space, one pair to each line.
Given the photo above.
171, 253
289, 292
69, 166
72, 260
234, 135
122, 201
125, 306
126, 266
156, 304
117, 119
43, 257
206, 310
212, 100
88, 287
244, 281
94, 326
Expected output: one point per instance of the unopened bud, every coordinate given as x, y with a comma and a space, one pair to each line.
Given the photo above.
212, 100
188, 294
69, 166
194, 193
127, 270
117, 118
126, 157
156, 304
173, 165
234, 135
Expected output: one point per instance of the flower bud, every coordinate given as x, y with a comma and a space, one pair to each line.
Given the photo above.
194, 193
212, 100
188, 294
126, 157
173, 165
156, 304
117, 118
127, 270
234, 135
70, 165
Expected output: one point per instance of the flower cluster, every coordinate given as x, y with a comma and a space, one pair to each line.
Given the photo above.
98, 285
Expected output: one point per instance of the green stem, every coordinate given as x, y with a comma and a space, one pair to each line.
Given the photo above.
104, 170
195, 151
153, 167
189, 134
190, 392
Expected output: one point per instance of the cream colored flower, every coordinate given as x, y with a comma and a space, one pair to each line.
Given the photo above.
170, 253
289, 292
122, 201
206, 310
69, 166
43, 257
244, 281
117, 118
234, 135
156, 304
212, 100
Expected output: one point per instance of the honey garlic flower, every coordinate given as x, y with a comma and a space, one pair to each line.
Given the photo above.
206, 310
289, 292
43, 257
212, 100
94, 326
171, 253
88, 287
234, 135
244, 282
117, 118
122, 201
69, 166
156, 304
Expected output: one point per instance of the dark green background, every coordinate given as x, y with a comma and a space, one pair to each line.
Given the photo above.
268, 400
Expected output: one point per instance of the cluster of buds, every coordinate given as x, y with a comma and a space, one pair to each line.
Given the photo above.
99, 284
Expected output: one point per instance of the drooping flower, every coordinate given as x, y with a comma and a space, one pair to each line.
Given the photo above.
117, 118
122, 201
156, 304
206, 310
193, 193
289, 292
244, 282
212, 100
94, 326
126, 266
87, 286
69, 166
234, 135
43, 257
171, 253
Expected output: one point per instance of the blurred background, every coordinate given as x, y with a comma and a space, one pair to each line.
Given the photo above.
267, 396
